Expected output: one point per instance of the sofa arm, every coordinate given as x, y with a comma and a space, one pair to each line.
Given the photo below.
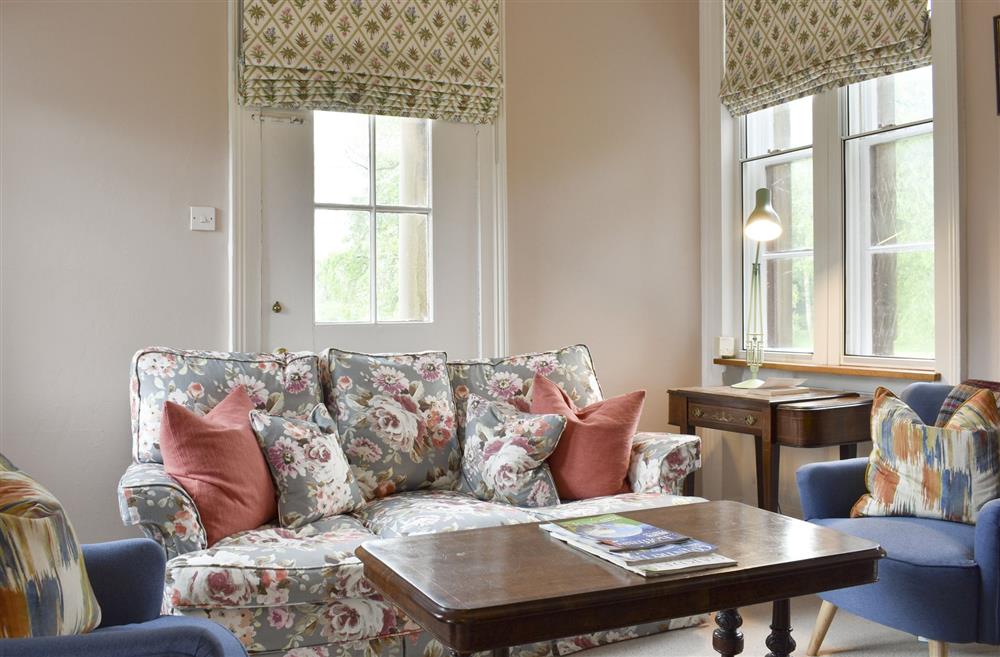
987, 552
152, 499
127, 578
830, 489
660, 461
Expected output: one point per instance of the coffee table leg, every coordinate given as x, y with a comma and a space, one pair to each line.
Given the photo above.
780, 641
727, 639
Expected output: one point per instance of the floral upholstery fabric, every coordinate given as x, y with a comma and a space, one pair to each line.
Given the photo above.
272, 566
432, 512
396, 419
286, 384
610, 504
509, 379
308, 466
661, 461
152, 499
503, 459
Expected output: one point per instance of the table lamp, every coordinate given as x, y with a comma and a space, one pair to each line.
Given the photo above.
763, 225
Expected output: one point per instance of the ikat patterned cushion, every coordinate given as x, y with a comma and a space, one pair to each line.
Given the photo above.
310, 470
396, 419
510, 379
44, 588
946, 473
504, 454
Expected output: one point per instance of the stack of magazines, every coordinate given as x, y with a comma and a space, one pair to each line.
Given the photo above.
636, 546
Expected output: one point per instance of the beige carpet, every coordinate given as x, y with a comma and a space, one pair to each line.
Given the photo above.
849, 636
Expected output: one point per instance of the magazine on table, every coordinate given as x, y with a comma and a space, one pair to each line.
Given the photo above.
635, 546
614, 532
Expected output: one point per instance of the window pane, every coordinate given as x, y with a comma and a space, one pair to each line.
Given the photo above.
402, 161
787, 281
779, 128
340, 157
788, 303
890, 241
898, 318
342, 247
891, 100
402, 256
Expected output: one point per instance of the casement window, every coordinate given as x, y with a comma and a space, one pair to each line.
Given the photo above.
372, 219
851, 174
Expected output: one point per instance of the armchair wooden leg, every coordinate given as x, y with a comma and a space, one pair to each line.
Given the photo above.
938, 648
826, 613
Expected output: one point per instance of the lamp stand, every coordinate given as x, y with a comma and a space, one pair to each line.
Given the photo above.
755, 328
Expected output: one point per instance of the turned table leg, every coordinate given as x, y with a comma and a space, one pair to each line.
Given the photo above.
780, 641
727, 639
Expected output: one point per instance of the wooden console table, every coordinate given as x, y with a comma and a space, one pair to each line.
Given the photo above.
815, 418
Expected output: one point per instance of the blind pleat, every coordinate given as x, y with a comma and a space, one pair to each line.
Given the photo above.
436, 59
780, 50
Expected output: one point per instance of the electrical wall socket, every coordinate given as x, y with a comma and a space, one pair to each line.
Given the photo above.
202, 218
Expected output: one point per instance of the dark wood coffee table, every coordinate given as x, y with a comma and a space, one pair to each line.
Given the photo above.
489, 589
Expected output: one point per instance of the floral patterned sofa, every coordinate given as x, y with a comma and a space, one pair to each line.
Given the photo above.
301, 592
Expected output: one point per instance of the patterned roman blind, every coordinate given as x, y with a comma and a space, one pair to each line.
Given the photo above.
437, 59
780, 50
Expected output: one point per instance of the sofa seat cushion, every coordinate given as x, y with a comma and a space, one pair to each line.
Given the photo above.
918, 541
272, 566
431, 512
610, 504
313, 630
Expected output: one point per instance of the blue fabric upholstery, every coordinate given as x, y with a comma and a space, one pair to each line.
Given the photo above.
940, 580
127, 577
166, 636
926, 399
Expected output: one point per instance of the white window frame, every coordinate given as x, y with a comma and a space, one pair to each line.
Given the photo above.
373, 209
722, 212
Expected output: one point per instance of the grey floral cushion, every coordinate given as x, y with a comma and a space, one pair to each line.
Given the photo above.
396, 419
509, 379
285, 384
432, 512
310, 471
503, 459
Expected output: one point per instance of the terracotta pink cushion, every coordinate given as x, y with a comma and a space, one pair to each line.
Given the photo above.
592, 456
216, 459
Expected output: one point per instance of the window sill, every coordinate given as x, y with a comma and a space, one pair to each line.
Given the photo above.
877, 372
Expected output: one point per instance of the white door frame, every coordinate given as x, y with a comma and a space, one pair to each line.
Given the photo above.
245, 225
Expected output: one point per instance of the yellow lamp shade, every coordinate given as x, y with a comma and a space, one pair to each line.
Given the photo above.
763, 224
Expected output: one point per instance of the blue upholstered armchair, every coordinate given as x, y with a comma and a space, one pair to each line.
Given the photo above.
939, 580
127, 577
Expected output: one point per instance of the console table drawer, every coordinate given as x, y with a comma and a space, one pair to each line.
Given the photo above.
737, 418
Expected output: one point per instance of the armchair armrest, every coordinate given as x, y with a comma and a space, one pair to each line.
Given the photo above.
987, 553
830, 489
127, 578
660, 461
152, 499
165, 636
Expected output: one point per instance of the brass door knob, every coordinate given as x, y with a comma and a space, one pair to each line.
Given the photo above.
276, 308
281, 351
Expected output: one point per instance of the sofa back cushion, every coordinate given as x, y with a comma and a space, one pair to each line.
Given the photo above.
396, 419
281, 384
509, 379
44, 587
